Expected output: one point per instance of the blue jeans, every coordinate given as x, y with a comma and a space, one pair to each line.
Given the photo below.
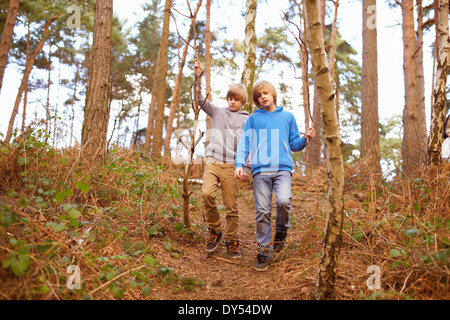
264, 184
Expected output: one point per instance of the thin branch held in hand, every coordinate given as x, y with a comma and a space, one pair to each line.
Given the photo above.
178, 32
304, 56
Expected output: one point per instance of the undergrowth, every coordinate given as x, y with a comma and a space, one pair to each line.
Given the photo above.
60, 215
402, 227
116, 224
394, 231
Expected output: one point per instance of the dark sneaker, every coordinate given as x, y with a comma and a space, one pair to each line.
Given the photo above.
233, 249
278, 241
213, 241
263, 260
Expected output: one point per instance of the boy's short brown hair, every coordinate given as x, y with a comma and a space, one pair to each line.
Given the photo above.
238, 92
261, 86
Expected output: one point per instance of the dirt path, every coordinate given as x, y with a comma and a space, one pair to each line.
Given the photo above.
290, 277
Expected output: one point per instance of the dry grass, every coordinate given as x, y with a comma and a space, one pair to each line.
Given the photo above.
129, 241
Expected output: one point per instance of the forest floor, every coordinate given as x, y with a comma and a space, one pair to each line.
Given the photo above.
121, 224
290, 276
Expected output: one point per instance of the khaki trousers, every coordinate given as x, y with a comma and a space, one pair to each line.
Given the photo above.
218, 172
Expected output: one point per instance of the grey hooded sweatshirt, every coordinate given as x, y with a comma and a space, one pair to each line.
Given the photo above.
226, 130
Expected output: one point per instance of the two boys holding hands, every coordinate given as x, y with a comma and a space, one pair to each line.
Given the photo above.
262, 142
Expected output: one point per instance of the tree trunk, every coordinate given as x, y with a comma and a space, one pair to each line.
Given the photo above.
96, 111
335, 166
248, 75
176, 96
314, 154
439, 107
161, 83
49, 84
25, 96
7, 35
28, 67
435, 45
333, 42
305, 72
152, 109
411, 156
208, 69
421, 84
74, 96
370, 141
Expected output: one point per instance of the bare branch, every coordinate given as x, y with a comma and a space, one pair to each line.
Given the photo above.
181, 14
184, 144
299, 38
302, 45
199, 138
191, 16
204, 101
225, 57
178, 32
293, 66
196, 109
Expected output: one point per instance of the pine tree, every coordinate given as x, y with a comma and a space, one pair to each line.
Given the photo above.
97, 108
28, 68
161, 84
411, 155
370, 142
7, 36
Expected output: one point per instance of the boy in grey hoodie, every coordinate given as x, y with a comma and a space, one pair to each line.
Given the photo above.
227, 125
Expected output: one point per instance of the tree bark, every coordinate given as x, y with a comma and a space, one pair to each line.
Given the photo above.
208, 70
28, 67
248, 75
333, 42
438, 110
74, 96
411, 157
161, 84
97, 108
305, 71
152, 108
176, 96
370, 141
335, 164
49, 83
304, 64
25, 96
314, 154
7, 36
421, 83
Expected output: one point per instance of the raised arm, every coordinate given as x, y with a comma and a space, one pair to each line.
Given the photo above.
204, 103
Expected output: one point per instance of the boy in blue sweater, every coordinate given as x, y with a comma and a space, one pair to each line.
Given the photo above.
270, 136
